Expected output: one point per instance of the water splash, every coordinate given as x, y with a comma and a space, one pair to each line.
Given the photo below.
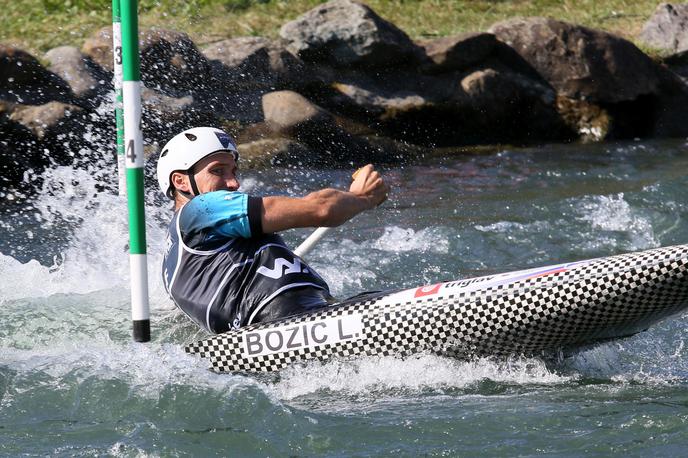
607, 215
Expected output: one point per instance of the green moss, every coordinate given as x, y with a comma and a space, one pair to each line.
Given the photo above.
39, 25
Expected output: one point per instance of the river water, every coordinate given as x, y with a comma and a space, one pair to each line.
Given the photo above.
72, 383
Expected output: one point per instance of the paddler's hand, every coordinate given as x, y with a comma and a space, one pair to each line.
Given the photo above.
369, 184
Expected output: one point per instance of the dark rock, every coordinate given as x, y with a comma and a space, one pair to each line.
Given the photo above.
580, 62
387, 94
508, 107
678, 63
345, 33
667, 29
24, 80
171, 63
670, 109
88, 81
164, 116
20, 150
458, 52
68, 134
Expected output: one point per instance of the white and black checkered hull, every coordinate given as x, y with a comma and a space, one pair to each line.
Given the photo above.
535, 311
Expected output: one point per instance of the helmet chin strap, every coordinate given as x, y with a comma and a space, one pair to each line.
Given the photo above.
192, 181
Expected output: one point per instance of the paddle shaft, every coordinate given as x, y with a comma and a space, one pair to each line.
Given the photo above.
308, 244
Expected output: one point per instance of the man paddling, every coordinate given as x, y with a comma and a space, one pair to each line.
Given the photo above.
225, 265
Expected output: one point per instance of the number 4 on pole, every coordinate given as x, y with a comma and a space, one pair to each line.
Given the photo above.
131, 151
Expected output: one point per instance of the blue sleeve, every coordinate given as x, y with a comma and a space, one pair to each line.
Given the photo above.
218, 214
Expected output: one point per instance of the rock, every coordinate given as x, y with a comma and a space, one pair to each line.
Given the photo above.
458, 52
98, 48
344, 33
40, 119
293, 116
171, 63
591, 122
19, 151
258, 63
670, 109
667, 29
678, 63
383, 106
164, 116
24, 80
273, 151
507, 106
67, 134
85, 78
579, 62
289, 112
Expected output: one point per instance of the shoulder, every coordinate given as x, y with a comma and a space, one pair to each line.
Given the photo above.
221, 213
216, 199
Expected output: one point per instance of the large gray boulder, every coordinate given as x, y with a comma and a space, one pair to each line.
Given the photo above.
667, 29
580, 62
344, 33
24, 80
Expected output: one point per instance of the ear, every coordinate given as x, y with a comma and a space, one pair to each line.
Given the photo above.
180, 181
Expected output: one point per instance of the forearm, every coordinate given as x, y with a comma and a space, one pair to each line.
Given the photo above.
337, 207
327, 207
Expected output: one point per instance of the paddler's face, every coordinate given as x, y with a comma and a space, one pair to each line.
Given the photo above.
217, 172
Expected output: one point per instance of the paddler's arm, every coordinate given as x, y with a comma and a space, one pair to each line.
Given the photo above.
327, 207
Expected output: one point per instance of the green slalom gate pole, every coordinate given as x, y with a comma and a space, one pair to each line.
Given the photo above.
133, 141
119, 116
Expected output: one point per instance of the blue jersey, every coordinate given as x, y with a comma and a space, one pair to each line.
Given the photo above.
219, 267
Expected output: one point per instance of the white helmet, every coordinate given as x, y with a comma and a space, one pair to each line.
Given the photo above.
187, 148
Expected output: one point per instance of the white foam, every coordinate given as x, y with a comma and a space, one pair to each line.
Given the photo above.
130, 362
614, 214
417, 373
511, 227
96, 256
397, 239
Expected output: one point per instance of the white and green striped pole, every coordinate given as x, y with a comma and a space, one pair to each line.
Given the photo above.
117, 57
133, 141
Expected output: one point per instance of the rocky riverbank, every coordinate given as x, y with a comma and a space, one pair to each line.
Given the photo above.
343, 85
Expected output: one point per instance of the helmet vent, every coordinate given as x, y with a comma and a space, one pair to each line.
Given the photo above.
164, 153
191, 137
